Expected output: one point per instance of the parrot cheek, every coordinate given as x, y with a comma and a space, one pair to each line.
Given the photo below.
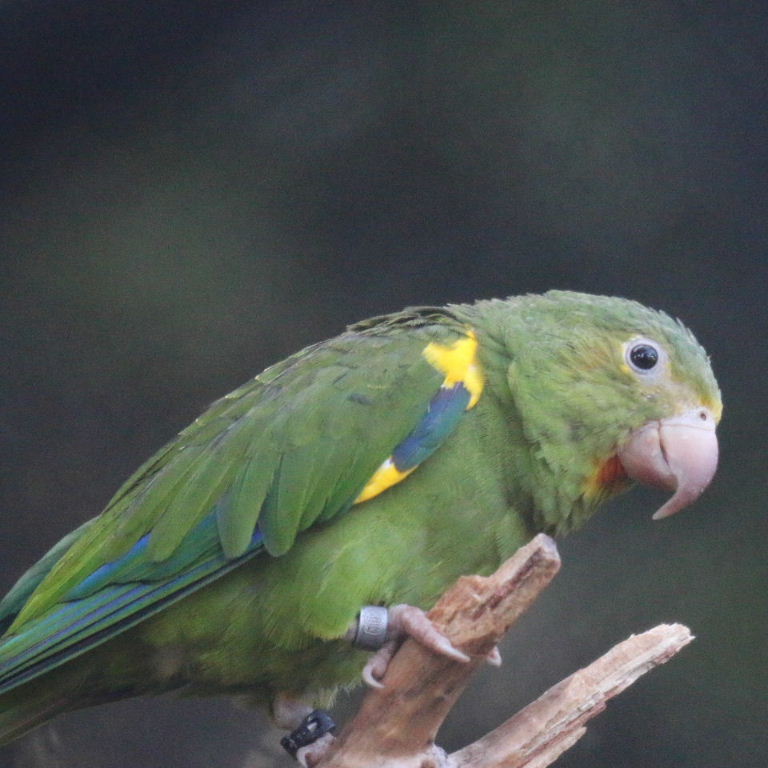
676, 454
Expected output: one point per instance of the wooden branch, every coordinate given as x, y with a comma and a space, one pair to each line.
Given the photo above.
537, 735
396, 725
399, 722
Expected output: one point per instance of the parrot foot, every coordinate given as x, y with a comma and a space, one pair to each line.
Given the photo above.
409, 621
311, 755
311, 740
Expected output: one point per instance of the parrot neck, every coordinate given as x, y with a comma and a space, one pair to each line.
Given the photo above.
569, 484
559, 470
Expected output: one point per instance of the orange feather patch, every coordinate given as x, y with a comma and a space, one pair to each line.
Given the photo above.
611, 472
609, 478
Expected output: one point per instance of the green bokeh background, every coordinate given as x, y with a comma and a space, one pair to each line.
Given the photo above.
192, 190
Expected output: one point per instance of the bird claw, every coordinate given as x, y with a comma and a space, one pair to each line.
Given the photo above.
312, 754
377, 665
493, 657
409, 621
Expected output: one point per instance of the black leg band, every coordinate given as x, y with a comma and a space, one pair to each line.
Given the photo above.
316, 724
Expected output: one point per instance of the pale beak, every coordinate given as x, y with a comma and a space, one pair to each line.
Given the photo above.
677, 454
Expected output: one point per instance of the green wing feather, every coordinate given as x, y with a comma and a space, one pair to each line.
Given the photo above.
291, 447
14, 601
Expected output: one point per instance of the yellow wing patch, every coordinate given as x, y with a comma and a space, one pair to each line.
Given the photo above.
458, 361
384, 477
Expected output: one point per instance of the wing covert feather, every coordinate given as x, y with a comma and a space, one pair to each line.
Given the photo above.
291, 447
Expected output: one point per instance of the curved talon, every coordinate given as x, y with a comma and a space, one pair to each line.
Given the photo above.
311, 755
408, 620
404, 621
369, 677
377, 665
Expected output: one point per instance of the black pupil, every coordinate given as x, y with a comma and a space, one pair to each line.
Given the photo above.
644, 356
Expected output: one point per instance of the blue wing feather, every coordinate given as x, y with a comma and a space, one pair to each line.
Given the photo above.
98, 590
117, 596
445, 410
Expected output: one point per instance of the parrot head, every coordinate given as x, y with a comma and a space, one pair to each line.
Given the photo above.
608, 392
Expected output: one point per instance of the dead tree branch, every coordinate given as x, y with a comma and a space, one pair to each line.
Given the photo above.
396, 725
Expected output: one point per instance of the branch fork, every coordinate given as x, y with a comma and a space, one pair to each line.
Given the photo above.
396, 725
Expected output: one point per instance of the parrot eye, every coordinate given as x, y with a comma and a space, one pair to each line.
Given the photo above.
643, 356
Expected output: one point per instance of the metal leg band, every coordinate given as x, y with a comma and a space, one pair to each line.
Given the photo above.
371, 628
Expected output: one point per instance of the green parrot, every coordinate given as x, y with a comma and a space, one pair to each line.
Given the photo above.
372, 469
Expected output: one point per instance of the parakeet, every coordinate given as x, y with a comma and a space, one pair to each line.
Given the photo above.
371, 469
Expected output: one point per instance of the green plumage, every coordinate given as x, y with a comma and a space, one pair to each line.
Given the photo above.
235, 559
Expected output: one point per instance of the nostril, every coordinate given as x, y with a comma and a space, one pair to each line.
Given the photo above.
703, 415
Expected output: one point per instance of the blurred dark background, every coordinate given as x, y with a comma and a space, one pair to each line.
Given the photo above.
192, 190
